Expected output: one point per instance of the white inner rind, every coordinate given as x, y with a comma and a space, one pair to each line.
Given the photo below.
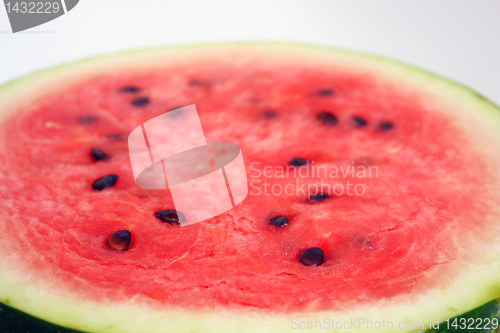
476, 276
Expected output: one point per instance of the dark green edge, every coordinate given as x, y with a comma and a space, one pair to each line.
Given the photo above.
15, 321
489, 310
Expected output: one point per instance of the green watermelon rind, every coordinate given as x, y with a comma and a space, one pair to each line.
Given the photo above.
476, 286
22, 322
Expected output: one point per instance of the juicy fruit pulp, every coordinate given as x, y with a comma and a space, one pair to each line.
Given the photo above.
384, 211
364, 237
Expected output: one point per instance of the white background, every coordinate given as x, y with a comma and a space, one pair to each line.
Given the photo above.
455, 38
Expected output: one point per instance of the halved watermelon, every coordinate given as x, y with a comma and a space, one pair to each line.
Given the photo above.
373, 195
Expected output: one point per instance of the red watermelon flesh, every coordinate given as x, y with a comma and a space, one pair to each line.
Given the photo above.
413, 189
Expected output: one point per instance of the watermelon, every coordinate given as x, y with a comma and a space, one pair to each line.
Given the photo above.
373, 197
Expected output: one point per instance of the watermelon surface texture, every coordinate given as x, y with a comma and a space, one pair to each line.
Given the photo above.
394, 218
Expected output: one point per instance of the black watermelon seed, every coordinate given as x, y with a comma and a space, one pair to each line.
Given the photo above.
385, 126
269, 114
98, 155
115, 136
325, 92
87, 120
105, 182
130, 89
278, 221
312, 257
141, 101
318, 197
119, 241
195, 83
326, 117
298, 161
170, 216
358, 121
